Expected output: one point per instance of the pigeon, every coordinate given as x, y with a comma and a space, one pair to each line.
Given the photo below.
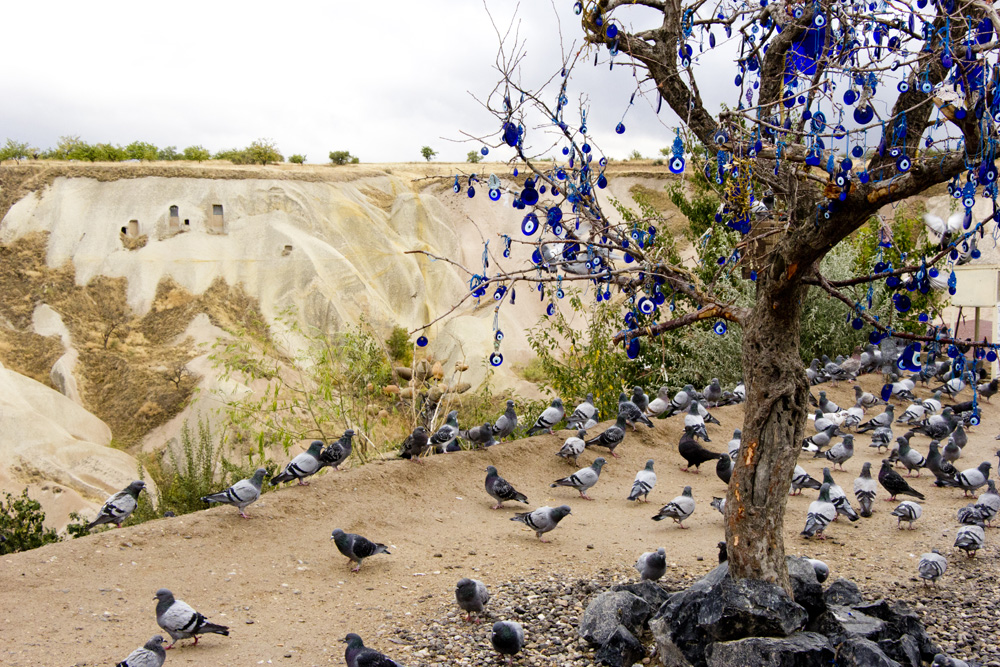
826, 405
150, 654
677, 509
903, 389
954, 386
652, 565
971, 515
551, 416
359, 655
951, 452
583, 414
583, 479
415, 445
242, 494
933, 404
337, 452
959, 437
944, 229
938, 427
970, 539
506, 423
937, 464
852, 418
694, 423
881, 437
740, 392
356, 547
681, 400
507, 639
723, 552
543, 519
500, 489
644, 482
835, 371
968, 480
574, 446
713, 392
914, 414
802, 480
181, 621
611, 437
719, 504
821, 569
472, 596
910, 458
885, 418
942, 660
821, 513
908, 511
631, 412
734, 444
865, 489
931, 566
838, 497
724, 469
818, 441
989, 502
821, 422
840, 452
894, 483
480, 436
988, 389
660, 404
120, 506
693, 452
446, 433
641, 400
304, 465
863, 399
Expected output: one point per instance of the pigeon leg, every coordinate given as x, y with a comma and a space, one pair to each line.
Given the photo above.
820, 536
680, 523
170, 645
355, 569
301, 483
543, 541
243, 515
617, 456
584, 495
891, 500
685, 468
195, 641
497, 506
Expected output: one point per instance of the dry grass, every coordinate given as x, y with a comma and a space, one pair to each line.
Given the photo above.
133, 242
29, 354
676, 223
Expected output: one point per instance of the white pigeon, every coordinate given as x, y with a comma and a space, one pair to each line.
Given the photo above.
940, 227
644, 482
180, 620
573, 446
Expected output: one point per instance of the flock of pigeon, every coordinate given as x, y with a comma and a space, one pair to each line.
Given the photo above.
946, 426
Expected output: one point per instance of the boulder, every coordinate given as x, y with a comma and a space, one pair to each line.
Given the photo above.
901, 621
806, 589
718, 609
653, 593
859, 652
609, 610
904, 650
841, 623
843, 592
621, 649
802, 649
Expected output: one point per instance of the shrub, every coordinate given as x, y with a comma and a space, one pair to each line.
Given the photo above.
428, 153
196, 154
475, 157
22, 524
297, 159
399, 346
342, 157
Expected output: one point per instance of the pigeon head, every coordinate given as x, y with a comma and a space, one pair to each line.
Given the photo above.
453, 417
315, 447
155, 642
582, 433
984, 468
561, 511
824, 492
135, 487
557, 403
258, 475
491, 471
163, 594
737, 434
866, 469
510, 404
649, 464
337, 532
622, 397
637, 391
827, 477
687, 491
349, 433
590, 398
353, 641
600, 461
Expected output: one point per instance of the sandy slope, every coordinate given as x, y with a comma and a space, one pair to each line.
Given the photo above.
278, 581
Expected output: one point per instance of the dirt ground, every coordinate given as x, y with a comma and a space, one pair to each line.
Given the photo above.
279, 583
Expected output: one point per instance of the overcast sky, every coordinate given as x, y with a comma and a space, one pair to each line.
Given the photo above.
380, 79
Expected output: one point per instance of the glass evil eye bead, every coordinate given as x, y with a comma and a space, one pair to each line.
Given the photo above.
602, 181
471, 192
903, 164
550, 309
496, 359
991, 356
498, 335
620, 128
856, 324
850, 96
719, 327
676, 165
560, 293
499, 292
903, 87
721, 137
529, 225
494, 194
422, 341
646, 305
484, 150
632, 351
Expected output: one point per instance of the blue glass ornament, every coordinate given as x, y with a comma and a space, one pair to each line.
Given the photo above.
856, 323
530, 224
886, 392
646, 306
494, 194
719, 327
632, 351
620, 128
496, 359
550, 309
422, 341
498, 335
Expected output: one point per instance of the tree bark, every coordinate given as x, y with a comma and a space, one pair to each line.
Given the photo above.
776, 408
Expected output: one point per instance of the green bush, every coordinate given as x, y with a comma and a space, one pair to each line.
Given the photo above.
400, 347
196, 154
342, 157
297, 159
22, 524
428, 153
475, 157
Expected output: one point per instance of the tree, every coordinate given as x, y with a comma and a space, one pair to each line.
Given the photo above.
475, 157
297, 159
15, 150
169, 153
263, 152
634, 156
775, 156
342, 157
141, 150
428, 153
196, 153
22, 524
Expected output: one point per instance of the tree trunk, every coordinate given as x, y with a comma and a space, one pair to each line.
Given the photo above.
777, 393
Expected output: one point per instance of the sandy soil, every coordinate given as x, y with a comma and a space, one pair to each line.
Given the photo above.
287, 594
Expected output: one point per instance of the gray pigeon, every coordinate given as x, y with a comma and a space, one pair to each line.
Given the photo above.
120, 506
358, 655
678, 509
821, 569
480, 436
719, 504
472, 596
989, 502
821, 512
339, 451
881, 438
507, 639
660, 404
826, 405
550, 416
357, 548
818, 441
942, 660
583, 414
631, 412
802, 480
969, 480
240, 495
304, 465
838, 497
652, 565
543, 519
681, 400
181, 621
415, 445
150, 654
863, 399
583, 479
695, 423
500, 489
713, 392
610, 437
506, 423
910, 458
883, 419
573, 446
865, 489
446, 434
734, 444
840, 452
931, 566
913, 414
970, 539
908, 511
640, 399
644, 482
